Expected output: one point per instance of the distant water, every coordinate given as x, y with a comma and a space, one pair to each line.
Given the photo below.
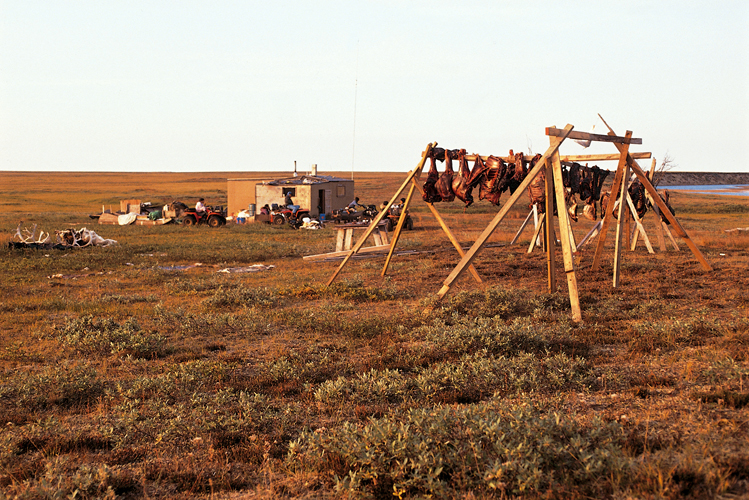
722, 189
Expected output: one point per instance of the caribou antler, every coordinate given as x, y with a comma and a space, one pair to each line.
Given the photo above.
29, 237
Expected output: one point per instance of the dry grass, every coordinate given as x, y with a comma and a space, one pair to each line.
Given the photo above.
127, 379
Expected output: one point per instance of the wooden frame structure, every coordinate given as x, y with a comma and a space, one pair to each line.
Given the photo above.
551, 162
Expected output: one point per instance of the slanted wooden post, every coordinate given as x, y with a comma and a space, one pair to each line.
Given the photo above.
622, 213
658, 226
564, 235
416, 172
398, 229
537, 234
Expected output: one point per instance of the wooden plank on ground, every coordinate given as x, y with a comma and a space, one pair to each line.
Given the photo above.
323, 256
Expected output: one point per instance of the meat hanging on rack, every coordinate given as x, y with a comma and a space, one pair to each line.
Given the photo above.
444, 184
537, 191
666, 197
637, 193
431, 195
462, 182
519, 172
489, 186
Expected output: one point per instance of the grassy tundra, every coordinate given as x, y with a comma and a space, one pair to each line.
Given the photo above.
124, 377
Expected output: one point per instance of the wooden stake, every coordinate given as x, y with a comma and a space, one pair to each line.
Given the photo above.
536, 233
565, 232
398, 229
622, 213
639, 228
550, 236
591, 234
670, 236
522, 226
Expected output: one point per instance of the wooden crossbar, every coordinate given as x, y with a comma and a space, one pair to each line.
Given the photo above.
587, 136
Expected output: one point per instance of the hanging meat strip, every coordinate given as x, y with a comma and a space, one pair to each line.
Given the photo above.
445, 183
461, 182
431, 195
537, 191
495, 170
637, 193
666, 197
599, 177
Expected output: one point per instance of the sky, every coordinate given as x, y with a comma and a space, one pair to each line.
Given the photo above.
353, 85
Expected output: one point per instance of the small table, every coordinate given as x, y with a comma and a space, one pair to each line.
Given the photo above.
346, 235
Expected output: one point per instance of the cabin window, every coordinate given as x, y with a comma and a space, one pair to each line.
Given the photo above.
340, 191
287, 190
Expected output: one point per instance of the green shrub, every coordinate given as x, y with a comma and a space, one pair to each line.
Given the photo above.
490, 447
89, 335
66, 385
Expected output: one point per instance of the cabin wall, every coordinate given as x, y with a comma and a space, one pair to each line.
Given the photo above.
318, 198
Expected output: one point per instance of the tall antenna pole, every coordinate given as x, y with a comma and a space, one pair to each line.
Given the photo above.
356, 85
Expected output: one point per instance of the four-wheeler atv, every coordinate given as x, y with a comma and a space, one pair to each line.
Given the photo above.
213, 216
344, 215
282, 215
394, 215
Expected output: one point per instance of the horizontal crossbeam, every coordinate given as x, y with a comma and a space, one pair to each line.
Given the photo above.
570, 158
587, 136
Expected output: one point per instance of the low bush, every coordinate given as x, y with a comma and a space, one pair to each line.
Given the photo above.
493, 447
89, 335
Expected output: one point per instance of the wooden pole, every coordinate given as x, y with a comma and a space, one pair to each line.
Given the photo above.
549, 233
658, 227
484, 236
398, 229
537, 232
608, 216
639, 229
415, 173
593, 232
522, 226
564, 235
620, 227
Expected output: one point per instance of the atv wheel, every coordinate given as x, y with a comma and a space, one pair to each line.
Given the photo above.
278, 220
189, 221
215, 221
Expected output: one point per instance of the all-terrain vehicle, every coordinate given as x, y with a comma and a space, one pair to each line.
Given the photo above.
394, 215
282, 215
213, 216
279, 216
344, 215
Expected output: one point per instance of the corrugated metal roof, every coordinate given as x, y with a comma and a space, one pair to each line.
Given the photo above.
304, 179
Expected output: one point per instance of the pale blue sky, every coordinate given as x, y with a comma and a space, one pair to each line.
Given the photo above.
250, 86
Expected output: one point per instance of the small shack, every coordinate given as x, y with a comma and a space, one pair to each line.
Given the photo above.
320, 193
240, 194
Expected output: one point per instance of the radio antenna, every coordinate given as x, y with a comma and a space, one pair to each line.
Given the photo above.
356, 85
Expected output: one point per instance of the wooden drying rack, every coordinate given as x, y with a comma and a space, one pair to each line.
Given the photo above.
551, 161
